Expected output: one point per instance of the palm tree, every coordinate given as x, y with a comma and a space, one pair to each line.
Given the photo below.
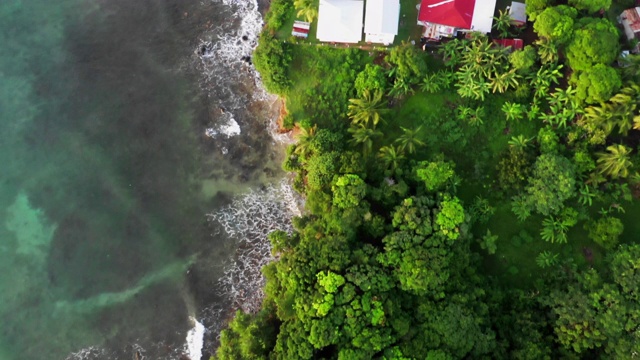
409, 140
513, 111
391, 157
364, 135
519, 142
615, 162
586, 195
463, 112
554, 230
533, 111
502, 82
502, 23
542, 80
304, 138
400, 88
546, 259
306, 9
598, 117
451, 51
430, 84
630, 68
623, 106
547, 50
368, 109
474, 88
476, 118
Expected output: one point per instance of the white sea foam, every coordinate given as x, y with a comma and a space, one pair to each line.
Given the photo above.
195, 340
91, 352
248, 220
231, 50
228, 129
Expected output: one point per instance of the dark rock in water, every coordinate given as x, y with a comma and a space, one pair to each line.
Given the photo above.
245, 37
246, 59
205, 49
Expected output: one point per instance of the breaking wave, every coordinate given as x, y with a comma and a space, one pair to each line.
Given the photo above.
248, 220
225, 54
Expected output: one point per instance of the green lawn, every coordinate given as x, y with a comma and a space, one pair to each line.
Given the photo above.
408, 28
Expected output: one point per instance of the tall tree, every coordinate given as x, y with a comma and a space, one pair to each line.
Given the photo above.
552, 183
391, 157
595, 41
556, 23
364, 136
410, 139
591, 6
616, 162
502, 23
597, 84
306, 9
304, 139
368, 109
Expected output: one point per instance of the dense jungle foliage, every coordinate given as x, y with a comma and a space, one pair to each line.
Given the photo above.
469, 203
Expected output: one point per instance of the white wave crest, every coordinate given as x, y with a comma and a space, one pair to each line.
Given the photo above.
195, 340
228, 129
91, 352
248, 220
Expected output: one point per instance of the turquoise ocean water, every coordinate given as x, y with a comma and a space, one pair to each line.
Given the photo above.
122, 123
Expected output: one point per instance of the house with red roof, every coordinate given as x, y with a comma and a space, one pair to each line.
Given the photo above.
446, 17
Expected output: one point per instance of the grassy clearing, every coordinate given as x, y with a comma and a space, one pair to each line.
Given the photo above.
407, 28
311, 66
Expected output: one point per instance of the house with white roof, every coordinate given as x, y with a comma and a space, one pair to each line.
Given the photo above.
518, 13
340, 21
445, 17
381, 21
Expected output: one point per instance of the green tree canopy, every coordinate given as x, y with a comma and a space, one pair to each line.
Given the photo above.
524, 59
551, 184
272, 58
409, 63
556, 23
348, 191
595, 41
591, 6
597, 84
434, 174
605, 231
535, 7
373, 78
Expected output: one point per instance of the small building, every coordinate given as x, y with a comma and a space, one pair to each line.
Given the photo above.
381, 21
300, 29
630, 21
444, 17
518, 13
340, 21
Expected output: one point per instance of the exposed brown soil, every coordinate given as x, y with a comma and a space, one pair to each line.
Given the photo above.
281, 116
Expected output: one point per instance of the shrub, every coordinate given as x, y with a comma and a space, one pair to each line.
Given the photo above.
278, 12
525, 59
605, 231
372, 78
272, 58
